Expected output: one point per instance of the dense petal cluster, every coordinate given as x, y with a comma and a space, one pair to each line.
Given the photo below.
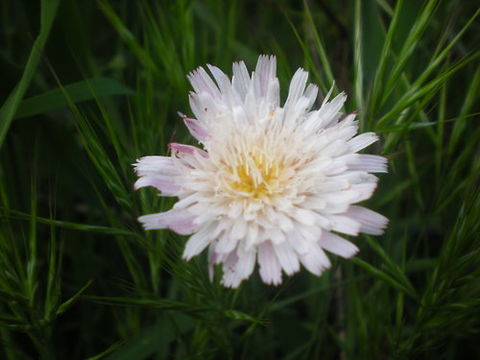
272, 184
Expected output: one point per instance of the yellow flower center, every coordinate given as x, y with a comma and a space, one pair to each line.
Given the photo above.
254, 176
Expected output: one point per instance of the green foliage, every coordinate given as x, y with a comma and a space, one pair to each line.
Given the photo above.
101, 85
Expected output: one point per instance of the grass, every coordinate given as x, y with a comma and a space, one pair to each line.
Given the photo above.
89, 88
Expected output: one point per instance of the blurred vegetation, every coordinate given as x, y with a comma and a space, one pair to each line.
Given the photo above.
88, 87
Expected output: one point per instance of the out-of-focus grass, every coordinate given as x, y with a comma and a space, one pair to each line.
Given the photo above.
80, 279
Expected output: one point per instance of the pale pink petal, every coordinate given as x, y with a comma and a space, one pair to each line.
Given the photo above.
371, 222
270, 270
182, 149
179, 221
195, 128
337, 245
246, 263
287, 258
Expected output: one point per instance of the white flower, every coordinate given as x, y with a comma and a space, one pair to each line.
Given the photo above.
272, 184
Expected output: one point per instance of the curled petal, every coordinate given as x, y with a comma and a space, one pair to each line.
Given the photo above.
159, 172
179, 221
183, 149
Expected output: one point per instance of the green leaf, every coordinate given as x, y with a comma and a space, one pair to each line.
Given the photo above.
9, 108
78, 92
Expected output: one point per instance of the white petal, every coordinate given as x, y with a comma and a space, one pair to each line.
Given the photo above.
297, 87
364, 191
240, 78
265, 72
221, 79
202, 82
371, 222
276, 235
327, 115
155, 165
345, 224
228, 241
337, 245
199, 241
361, 141
231, 277
311, 94
245, 264
159, 172
304, 216
315, 260
369, 163
270, 269
307, 234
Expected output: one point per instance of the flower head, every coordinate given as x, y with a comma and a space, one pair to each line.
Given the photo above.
273, 184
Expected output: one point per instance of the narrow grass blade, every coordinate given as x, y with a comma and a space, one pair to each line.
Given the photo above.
9, 108
15, 214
